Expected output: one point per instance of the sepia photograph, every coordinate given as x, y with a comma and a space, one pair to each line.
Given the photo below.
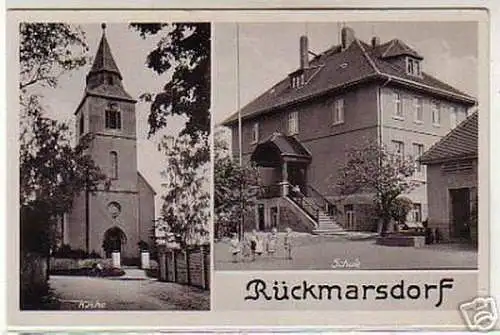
346, 146
114, 166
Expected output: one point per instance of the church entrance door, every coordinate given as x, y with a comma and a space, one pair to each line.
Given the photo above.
114, 239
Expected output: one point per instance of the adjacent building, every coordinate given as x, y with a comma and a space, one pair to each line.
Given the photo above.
299, 130
119, 217
452, 180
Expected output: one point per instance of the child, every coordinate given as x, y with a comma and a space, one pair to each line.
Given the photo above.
235, 247
259, 246
287, 243
253, 244
272, 240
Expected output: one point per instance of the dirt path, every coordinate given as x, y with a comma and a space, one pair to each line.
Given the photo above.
133, 291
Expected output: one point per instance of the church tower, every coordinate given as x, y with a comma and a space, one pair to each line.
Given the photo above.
110, 220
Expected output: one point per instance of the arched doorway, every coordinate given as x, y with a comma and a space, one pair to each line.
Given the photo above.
114, 239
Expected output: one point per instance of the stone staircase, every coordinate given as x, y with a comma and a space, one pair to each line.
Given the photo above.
326, 226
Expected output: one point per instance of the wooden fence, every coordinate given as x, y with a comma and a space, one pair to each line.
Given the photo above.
189, 266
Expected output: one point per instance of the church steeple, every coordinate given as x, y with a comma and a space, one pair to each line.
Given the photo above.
104, 70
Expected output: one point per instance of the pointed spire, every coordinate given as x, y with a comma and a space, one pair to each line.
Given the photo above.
104, 61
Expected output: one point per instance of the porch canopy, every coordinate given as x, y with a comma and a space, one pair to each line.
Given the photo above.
278, 149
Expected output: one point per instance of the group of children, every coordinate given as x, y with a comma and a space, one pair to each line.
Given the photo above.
257, 244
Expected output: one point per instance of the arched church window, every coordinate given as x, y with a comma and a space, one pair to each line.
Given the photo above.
113, 117
114, 164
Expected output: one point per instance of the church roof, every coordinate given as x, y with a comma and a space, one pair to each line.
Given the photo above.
104, 60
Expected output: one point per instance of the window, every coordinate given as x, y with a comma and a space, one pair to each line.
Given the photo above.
409, 65
413, 66
419, 110
298, 80
109, 79
417, 212
350, 217
114, 164
436, 114
82, 124
399, 148
293, 123
113, 117
453, 117
398, 110
338, 111
418, 150
255, 132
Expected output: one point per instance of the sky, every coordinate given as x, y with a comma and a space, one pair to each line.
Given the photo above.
268, 52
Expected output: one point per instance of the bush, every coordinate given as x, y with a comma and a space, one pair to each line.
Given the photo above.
56, 264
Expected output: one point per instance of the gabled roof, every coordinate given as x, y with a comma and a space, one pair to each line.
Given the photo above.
461, 142
337, 69
397, 48
284, 146
104, 60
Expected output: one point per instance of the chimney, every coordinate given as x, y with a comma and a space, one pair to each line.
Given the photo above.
304, 52
375, 41
347, 37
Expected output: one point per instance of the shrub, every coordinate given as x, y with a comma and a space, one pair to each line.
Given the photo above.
400, 209
56, 264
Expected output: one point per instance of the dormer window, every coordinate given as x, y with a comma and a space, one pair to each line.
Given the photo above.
413, 66
298, 80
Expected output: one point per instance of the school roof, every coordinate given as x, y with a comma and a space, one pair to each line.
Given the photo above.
460, 143
337, 69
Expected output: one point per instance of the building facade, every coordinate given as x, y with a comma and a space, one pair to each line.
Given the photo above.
299, 130
118, 217
452, 180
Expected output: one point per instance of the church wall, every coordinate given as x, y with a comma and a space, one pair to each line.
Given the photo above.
146, 210
127, 221
76, 223
127, 160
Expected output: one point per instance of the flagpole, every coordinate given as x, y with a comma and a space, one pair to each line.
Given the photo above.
240, 140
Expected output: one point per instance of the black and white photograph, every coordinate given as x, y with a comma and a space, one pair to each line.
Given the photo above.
114, 165
346, 145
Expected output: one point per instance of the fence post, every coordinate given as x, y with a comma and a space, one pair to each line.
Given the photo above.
203, 276
188, 272
174, 262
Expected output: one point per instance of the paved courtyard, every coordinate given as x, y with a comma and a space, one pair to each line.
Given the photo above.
134, 291
312, 252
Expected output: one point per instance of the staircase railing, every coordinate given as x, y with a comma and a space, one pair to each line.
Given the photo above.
270, 191
306, 205
320, 200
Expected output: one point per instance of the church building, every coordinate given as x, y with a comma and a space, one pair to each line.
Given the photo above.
119, 217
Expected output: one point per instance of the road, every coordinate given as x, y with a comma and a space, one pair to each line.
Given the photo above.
134, 291
326, 253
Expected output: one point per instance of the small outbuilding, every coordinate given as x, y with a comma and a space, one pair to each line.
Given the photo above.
452, 180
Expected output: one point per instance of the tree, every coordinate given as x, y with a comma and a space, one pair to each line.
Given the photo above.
184, 48
52, 171
373, 169
235, 189
186, 207
400, 209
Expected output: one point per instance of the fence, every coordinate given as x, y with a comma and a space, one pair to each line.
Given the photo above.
190, 266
